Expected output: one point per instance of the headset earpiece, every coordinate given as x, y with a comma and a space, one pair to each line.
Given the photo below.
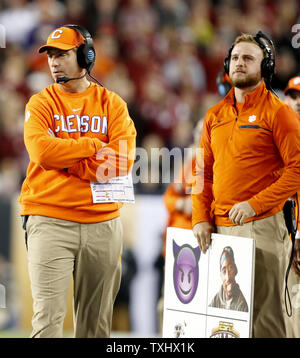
227, 60
86, 54
268, 63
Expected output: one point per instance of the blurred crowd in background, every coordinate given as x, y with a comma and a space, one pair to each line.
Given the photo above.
161, 56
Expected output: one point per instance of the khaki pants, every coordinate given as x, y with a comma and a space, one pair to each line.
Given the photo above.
91, 252
272, 255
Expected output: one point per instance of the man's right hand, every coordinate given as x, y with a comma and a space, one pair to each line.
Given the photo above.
202, 232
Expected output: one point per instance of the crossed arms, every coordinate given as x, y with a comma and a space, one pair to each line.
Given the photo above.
89, 158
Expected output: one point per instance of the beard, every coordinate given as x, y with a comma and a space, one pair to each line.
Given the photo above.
246, 81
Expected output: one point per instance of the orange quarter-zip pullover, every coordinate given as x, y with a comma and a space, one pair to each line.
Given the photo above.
58, 177
244, 148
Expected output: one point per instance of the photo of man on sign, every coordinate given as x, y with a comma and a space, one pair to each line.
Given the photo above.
229, 296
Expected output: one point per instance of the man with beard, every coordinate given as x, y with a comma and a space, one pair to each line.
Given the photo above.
230, 295
247, 138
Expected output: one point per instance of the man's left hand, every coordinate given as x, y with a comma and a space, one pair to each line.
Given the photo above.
241, 212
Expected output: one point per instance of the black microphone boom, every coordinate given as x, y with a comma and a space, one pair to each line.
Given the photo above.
64, 79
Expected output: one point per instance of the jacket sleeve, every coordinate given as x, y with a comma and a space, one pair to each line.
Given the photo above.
52, 152
286, 134
202, 196
117, 157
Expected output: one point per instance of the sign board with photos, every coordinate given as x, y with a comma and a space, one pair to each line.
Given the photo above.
208, 295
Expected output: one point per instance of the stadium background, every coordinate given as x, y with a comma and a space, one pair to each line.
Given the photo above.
162, 57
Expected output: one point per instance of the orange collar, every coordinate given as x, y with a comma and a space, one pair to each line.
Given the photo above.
251, 98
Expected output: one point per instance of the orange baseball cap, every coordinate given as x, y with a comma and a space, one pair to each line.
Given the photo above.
293, 84
63, 38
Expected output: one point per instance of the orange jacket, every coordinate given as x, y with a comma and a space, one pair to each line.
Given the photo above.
176, 218
58, 177
175, 191
243, 152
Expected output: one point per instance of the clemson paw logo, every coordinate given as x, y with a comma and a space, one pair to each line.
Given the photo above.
252, 118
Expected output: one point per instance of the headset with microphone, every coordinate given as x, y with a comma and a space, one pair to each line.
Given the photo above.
86, 55
268, 62
65, 79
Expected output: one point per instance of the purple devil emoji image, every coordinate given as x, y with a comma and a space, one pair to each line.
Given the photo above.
186, 271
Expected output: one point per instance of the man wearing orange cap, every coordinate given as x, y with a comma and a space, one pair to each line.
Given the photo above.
76, 133
292, 97
292, 93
